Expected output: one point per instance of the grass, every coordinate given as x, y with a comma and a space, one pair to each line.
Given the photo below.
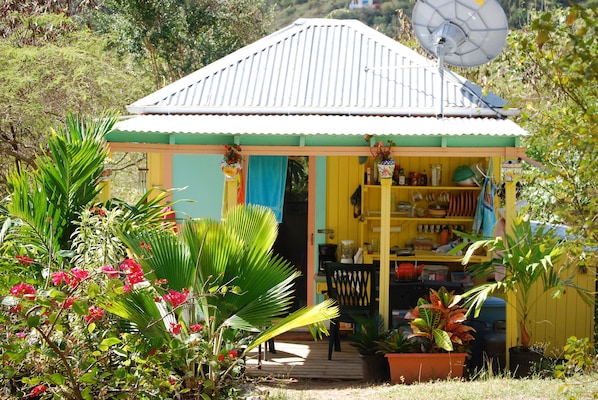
574, 388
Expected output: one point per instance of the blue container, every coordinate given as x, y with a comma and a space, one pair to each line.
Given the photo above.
494, 309
487, 339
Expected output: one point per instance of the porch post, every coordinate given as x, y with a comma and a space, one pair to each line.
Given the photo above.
384, 298
511, 311
231, 189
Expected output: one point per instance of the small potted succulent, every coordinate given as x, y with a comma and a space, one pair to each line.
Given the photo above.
382, 153
436, 346
366, 338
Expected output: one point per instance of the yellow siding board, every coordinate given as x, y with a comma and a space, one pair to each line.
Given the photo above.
342, 180
555, 320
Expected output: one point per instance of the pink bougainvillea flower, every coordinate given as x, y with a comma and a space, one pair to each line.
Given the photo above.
126, 288
36, 391
23, 290
110, 271
175, 298
196, 328
24, 260
99, 211
59, 277
68, 302
78, 275
22, 335
16, 309
95, 314
146, 246
133, 270
175, 329
233, 354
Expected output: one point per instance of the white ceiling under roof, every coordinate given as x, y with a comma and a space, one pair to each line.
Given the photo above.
321, 124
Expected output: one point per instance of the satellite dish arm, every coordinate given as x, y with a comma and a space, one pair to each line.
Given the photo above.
440, 53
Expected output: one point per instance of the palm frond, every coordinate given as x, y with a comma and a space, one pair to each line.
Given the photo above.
48, 198
310, 317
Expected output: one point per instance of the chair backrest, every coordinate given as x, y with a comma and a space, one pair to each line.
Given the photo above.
351, 285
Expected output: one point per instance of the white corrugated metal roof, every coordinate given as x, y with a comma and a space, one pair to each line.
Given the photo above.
322, 66
319, 125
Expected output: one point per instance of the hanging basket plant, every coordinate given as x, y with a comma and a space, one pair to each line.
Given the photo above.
232, 162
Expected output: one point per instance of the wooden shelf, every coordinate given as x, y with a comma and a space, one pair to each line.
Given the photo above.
424, 255
434, 221
441, 188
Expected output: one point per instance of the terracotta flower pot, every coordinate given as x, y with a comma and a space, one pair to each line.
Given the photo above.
422, 367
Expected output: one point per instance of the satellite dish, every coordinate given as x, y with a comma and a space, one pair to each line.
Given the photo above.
463, 33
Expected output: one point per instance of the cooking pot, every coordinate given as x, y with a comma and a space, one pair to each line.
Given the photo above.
408, 272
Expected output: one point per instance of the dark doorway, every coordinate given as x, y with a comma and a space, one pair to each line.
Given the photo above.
291, 242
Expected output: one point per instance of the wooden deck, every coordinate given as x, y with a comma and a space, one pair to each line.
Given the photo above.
307, 359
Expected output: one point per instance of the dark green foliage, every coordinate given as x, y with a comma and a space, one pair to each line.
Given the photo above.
368, 333
52, 66
395, 341
180, 37
47, 199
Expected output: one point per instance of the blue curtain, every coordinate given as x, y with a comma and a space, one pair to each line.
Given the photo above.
266, 180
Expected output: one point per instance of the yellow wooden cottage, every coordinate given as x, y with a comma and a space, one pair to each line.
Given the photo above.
315, 89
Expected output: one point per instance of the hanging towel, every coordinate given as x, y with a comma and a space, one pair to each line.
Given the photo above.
266, 180
489, 221
485, 218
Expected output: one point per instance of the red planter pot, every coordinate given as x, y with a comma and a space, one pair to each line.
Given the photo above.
422, 367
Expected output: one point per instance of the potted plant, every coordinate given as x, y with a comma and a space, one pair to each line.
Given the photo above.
527, 262
436, 346
382, 154
369, 332
231, 162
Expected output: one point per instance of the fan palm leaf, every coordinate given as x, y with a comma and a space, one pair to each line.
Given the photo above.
229, 268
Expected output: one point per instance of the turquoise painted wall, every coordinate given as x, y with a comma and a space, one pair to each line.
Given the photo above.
320, 202
202, 176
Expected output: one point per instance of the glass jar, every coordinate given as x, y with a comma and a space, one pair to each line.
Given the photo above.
347, 250
435, 174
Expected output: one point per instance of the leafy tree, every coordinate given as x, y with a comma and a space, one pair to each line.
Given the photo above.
51, 66
560, 59
550, 72
180, 37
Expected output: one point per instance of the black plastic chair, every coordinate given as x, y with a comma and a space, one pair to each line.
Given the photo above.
352, 286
